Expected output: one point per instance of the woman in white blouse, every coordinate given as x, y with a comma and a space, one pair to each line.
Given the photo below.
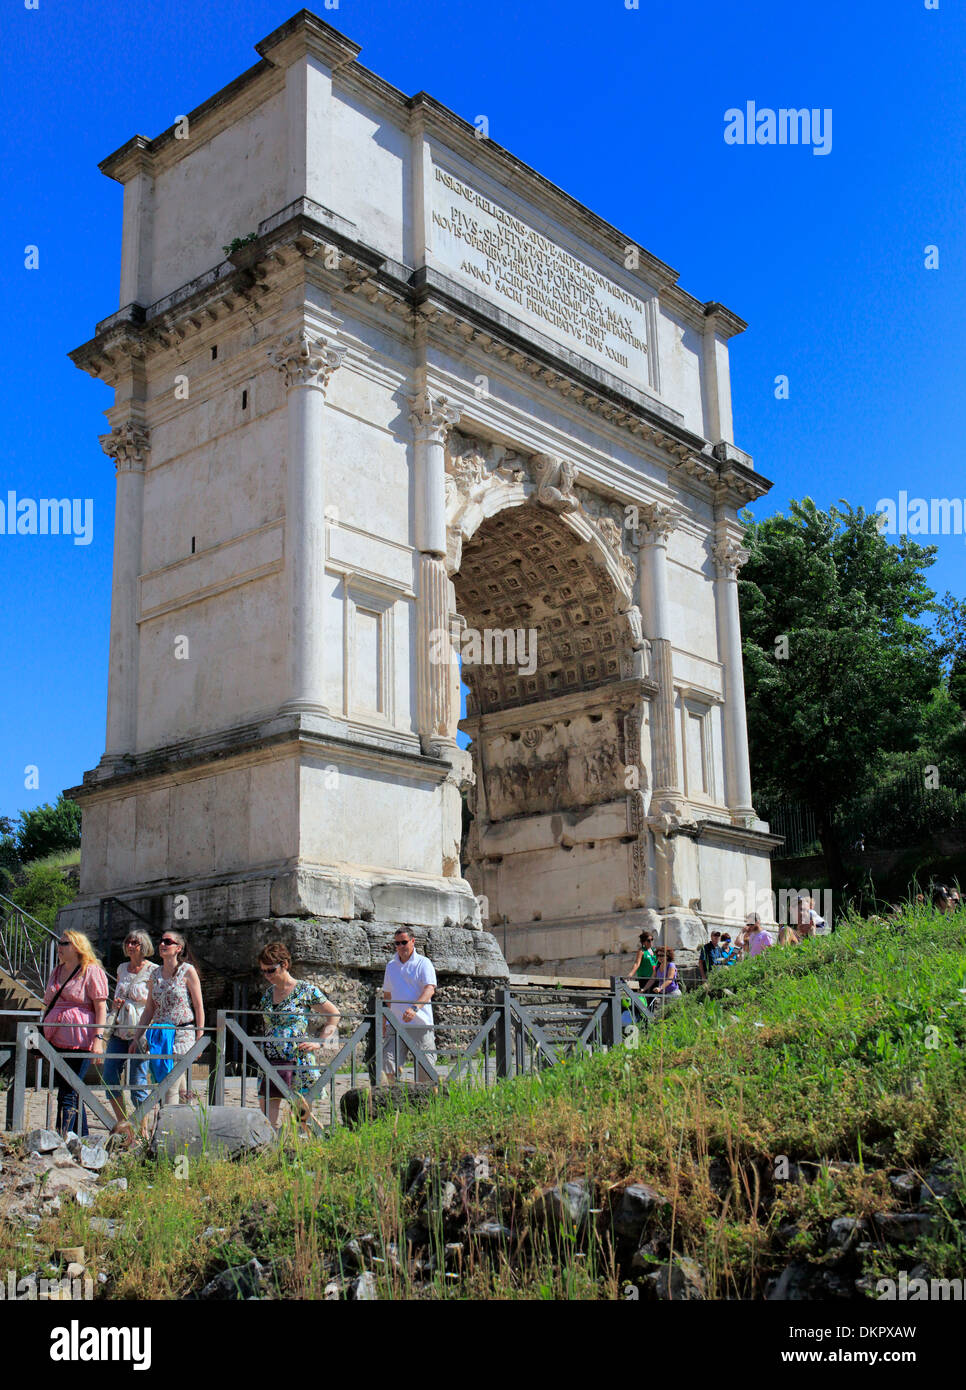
130, 997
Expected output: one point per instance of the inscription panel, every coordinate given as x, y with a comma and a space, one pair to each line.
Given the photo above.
508, 261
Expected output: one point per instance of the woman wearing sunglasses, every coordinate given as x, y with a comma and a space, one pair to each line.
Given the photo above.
286, 1005
75, 1012
174, 1013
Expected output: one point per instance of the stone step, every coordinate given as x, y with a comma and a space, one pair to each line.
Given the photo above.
14, 995
17, 994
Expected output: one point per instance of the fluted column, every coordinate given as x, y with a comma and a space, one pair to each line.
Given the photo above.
656, 524
431, 417
307, 362
128, 445
729, 556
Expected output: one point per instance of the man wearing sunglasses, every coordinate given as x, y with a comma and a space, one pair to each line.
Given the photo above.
408, 986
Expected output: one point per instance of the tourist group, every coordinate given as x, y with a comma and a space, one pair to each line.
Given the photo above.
158, 1015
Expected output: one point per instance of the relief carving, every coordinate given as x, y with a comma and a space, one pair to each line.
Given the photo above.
473, 468
555, 483
613, 535
569, 764
637, 825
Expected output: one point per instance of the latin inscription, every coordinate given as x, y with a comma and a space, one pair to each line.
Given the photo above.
507, 260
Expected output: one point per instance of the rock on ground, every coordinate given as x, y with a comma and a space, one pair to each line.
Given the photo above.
364, 1103
216, 1129
252, 1280
636, 1208
683, 1281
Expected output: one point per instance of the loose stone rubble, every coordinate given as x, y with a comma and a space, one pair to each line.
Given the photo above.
461, 1213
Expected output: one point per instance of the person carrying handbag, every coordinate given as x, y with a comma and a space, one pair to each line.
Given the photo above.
130, 997
75, 1012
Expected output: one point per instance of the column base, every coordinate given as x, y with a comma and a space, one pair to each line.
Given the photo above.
436, 746
304, 707
114, 764
670, 802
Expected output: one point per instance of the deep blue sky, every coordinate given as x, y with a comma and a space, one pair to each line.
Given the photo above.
624, 109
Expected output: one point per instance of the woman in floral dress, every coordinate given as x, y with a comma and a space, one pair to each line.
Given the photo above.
175, 1000
286, 1006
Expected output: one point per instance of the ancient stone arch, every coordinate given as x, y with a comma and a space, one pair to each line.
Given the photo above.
427, 396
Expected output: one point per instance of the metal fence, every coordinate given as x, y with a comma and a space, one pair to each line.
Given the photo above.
471, 1044
898, 812
33, 1051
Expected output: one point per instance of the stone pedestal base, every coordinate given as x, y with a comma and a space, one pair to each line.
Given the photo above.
347, 959
682, 931
311, 892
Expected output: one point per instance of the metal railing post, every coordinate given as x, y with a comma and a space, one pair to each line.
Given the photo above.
615, 1031
369, 1052
504, 1037
49, 1111
20, 1079
378, 1045
220, 1058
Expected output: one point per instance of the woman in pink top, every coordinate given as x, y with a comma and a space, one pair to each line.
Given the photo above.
76, 995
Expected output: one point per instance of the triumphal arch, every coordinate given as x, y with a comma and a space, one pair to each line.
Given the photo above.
395, 416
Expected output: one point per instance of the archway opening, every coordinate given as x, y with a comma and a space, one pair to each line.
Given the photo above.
553, 712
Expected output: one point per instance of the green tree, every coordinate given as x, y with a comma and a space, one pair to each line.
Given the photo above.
837, 667
44, 890
48, 829
957, 680
951, 622
9, 858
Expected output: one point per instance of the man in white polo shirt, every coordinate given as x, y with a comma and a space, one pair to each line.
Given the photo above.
408, 986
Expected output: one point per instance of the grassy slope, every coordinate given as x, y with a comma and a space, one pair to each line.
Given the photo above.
847, 1047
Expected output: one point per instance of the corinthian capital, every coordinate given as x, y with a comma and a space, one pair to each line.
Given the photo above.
432, 416
656, 522
128, 445
305, 359
729, 556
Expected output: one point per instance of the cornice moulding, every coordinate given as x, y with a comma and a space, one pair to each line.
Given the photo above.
305, 33
722, 320
738, 835
430, 118
620, 693
240, 741
137, 332
213, 115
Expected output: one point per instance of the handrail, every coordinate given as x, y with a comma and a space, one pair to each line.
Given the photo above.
30, 961
22, 912
504, 1041
133, 910
27, 947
